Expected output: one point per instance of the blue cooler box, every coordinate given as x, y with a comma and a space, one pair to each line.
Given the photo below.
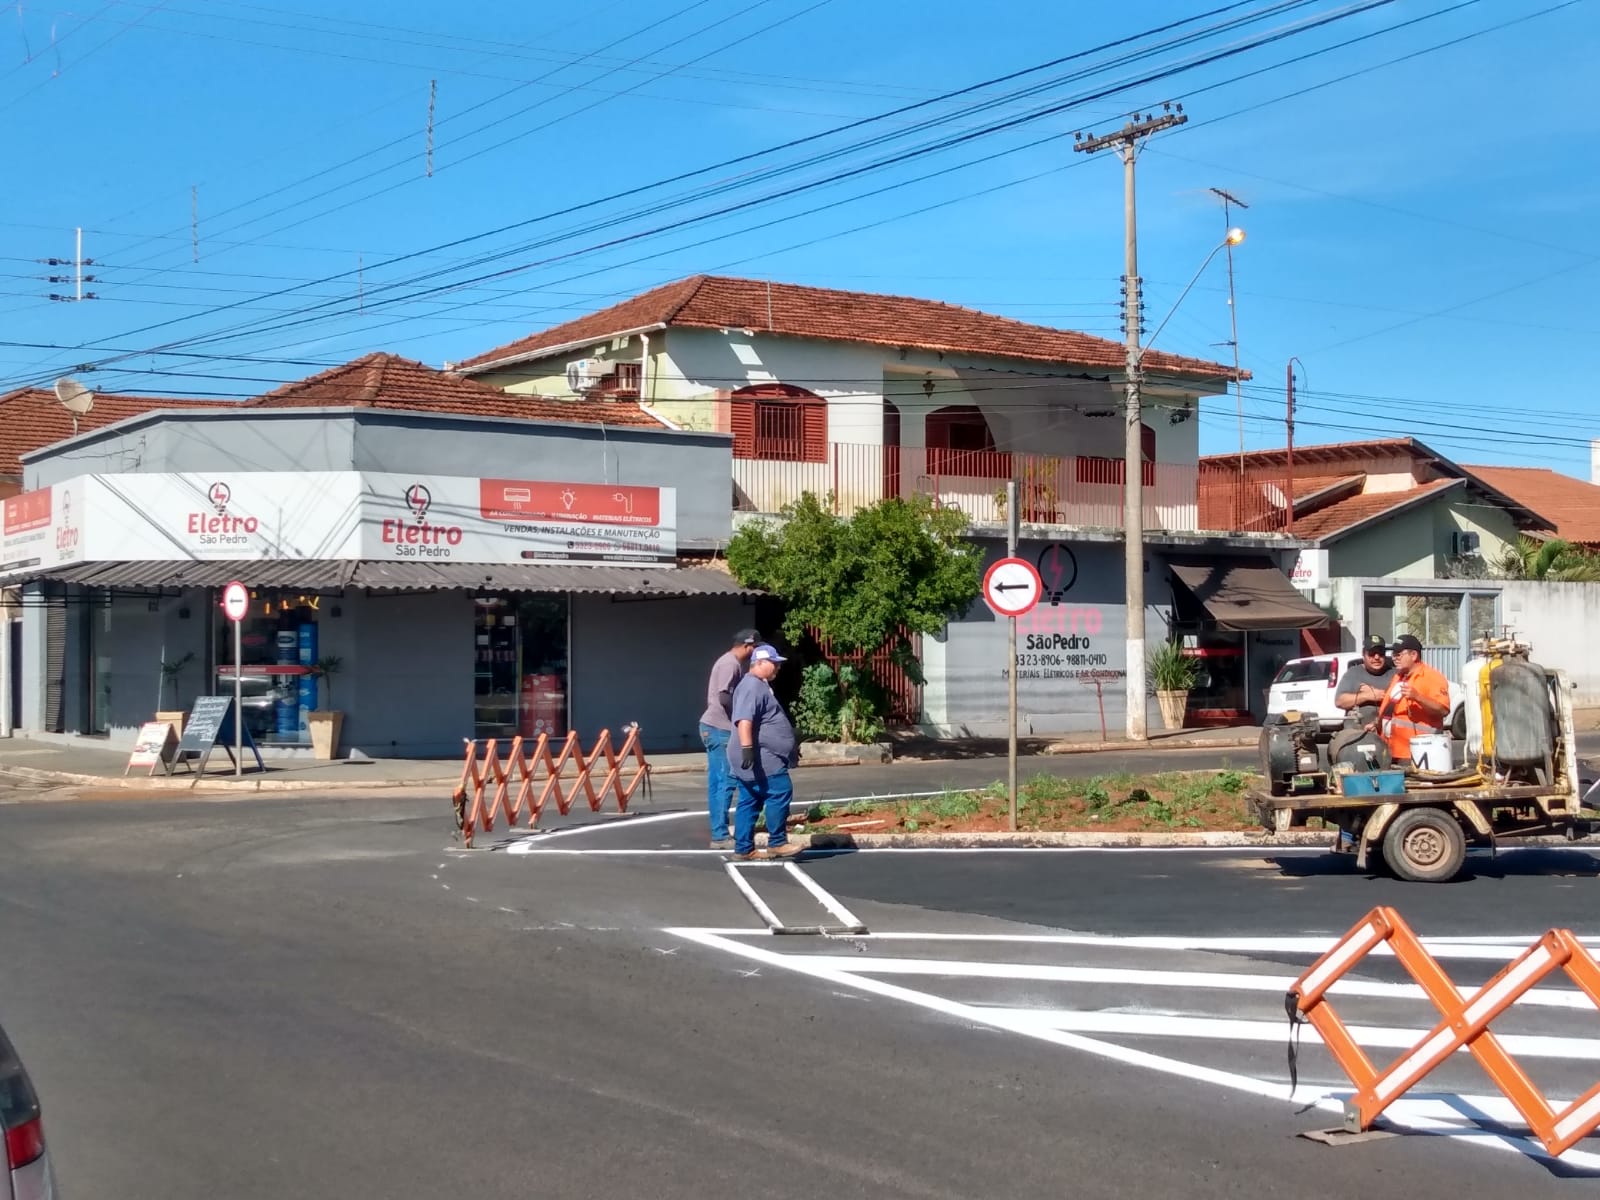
1373, 783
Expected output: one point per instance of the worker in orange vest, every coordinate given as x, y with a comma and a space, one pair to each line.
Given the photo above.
1416, 702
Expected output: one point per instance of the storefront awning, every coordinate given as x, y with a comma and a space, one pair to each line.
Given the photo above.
334, 574
1245, 594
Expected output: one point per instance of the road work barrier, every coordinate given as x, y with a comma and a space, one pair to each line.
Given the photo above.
1464, 1021
539, 776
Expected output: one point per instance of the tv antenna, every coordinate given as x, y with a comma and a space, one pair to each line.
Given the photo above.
75, 398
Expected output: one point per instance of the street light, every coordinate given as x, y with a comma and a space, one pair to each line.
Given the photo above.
1235, 237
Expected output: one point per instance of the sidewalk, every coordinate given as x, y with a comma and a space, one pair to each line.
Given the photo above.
58, 764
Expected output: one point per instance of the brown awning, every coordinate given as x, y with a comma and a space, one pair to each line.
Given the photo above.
1246, 593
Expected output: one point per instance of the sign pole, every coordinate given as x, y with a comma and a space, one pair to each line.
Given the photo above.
238, 700
1011, 719
235, 606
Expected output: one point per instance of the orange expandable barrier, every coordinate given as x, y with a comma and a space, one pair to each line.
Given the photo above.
1464, 1021
529, 764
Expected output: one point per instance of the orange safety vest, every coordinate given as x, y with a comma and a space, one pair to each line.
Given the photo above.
1402, 718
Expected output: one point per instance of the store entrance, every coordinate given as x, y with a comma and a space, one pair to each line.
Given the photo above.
280, 646
520, 672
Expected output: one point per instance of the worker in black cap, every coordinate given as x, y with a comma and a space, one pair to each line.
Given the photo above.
1360, 690
1417, 700
716, 727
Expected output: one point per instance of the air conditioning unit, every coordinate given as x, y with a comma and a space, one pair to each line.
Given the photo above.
585, 375
1464, 545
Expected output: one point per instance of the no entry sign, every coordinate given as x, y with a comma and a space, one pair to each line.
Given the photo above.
235, 601
1012, 587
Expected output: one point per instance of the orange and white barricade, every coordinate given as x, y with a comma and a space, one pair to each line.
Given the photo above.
540, 776
1464, 1020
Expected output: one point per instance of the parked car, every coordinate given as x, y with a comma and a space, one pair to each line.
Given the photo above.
27, 1174
1307, 685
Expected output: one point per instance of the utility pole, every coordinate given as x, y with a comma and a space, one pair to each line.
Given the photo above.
1228, 203
1288, 423
77, 279
1126, 141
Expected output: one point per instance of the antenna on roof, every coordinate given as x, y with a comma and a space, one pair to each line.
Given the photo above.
75, 398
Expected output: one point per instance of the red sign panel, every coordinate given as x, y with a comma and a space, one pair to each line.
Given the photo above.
27, 510
586, 503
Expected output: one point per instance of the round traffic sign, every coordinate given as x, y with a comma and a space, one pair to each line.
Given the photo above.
1012, 586
235, 601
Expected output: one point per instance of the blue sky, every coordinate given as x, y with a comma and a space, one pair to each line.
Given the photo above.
1418, 234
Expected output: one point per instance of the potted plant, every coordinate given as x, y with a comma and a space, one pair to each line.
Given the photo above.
325, 724
1172, 674
170, 670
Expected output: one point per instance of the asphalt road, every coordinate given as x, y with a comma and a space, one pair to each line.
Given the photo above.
313, 996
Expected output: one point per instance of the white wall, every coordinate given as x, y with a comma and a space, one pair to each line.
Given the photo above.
1029, 407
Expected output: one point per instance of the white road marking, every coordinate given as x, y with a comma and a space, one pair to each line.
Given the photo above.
756, 902
1406, 1113
1241, 1030
1144, 977
825, 898
1495, 948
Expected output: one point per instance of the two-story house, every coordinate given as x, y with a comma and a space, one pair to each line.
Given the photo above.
859, 397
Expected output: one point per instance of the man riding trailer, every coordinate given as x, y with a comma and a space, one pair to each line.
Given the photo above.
1520, 777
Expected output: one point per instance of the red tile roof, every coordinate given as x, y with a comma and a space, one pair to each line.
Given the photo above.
718, 302
387, 381
32, 418
1344, 515
1570, 505
1328, 452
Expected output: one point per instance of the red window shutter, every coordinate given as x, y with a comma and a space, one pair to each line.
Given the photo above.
815, 429
1147, 448
742, 423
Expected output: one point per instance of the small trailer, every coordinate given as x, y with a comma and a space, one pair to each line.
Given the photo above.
1423, 822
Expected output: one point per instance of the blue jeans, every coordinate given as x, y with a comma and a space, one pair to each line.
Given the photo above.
719, 783
772, 792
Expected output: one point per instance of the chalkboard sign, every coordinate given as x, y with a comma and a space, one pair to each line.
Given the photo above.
154, 747
210, 724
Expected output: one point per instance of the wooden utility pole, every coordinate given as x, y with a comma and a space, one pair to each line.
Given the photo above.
1126, 141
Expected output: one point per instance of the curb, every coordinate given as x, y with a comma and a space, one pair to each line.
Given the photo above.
1228, 839
213, 783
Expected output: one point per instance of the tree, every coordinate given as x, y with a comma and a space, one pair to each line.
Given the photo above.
900, 566
1554, 560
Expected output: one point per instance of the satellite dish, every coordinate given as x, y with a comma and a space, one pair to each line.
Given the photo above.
75, 398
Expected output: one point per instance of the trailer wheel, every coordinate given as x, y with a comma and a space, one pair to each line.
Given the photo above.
1425, 845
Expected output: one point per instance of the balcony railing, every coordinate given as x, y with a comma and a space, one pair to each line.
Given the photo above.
1051, 490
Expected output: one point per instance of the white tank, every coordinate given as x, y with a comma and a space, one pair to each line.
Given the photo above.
1471, 682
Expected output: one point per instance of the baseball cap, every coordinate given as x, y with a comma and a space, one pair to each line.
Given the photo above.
766, 653
746, 637
1407, 641
1374, 645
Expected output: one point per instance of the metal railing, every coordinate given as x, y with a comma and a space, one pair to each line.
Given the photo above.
1052, 490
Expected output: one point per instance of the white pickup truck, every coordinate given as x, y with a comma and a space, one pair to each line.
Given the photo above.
1307, 685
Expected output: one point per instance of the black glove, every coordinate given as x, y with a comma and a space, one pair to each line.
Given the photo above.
748, 758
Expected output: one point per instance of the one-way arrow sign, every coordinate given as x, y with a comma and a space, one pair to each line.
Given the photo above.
1012, 587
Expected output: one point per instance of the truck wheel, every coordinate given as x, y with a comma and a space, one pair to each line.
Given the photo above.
1425, 845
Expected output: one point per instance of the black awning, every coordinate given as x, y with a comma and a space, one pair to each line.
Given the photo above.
336, 574
1243, 593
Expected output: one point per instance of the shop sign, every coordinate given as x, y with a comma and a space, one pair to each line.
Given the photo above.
456, 519
42, 528
1310, 570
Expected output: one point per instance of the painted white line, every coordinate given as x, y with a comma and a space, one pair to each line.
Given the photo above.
1499, 950
1402, 1113
824, 898
1210, 980
531, 839
533, 846
1235, 1029
756, 902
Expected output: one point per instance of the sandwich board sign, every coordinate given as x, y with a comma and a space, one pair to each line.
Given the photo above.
155, 746
210, 724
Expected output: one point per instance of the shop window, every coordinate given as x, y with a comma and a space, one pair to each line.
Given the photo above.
778, 422
960, 442
279, 643
520, 666
1112, 470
